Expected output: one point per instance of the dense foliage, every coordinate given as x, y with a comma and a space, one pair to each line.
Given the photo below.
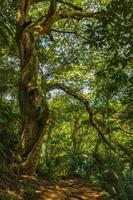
93, 57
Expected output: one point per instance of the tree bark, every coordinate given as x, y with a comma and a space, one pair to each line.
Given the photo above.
32, 97
32, 101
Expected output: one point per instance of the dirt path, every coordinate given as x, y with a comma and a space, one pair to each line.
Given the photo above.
19, 188
70, 189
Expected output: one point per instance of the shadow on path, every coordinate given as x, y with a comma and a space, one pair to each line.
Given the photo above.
70, 189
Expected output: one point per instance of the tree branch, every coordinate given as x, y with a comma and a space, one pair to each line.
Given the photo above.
62, 2
69, 32
52, 9
92, 119
86, 103
67, 89
45, 23
78, 15
70, 5
120, 130
23, 10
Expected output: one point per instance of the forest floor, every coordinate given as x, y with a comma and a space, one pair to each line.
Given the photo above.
31, 188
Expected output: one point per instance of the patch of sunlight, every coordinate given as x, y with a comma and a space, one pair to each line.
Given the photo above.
38, 191
57, 187
64, 189
41, 188
29, 177
47, 198
13, 195
11, 192
53, 195
50, 197
96, 195
82, 197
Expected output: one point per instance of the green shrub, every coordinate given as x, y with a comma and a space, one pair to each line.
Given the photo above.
7, 197
29, 192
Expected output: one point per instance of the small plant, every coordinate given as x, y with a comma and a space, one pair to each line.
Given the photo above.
28, 192
7, 197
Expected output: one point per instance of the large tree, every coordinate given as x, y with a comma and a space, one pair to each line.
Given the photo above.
32, 92
94, 25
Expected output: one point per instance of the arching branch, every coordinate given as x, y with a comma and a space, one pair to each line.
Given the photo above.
62, 2
86, 103
92, 118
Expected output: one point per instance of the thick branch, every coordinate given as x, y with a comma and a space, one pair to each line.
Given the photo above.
67, 89
62, 14
52, 9
45, 23
86, 103
75, 7
78, 15
92, 119
23, 10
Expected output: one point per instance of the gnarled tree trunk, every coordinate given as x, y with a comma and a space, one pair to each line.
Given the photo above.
32, 101
32, 97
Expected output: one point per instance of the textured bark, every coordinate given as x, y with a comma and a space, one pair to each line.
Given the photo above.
32, 102
32, 97
30, 164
